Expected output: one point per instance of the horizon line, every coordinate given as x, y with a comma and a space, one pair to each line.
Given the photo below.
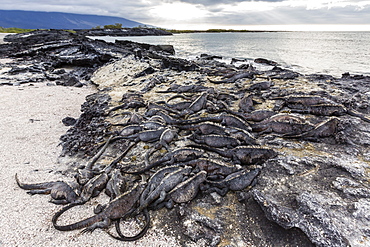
285, 27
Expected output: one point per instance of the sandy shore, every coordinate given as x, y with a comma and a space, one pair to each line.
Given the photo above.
30, 127
2, 35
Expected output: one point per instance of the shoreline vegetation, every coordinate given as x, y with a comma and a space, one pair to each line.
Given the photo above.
15, 30
173, 31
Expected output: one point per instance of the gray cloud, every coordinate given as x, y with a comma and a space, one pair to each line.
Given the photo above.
134, 9
281, 12
217, 2
300, 15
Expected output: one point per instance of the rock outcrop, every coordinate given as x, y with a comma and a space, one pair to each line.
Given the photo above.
62, 57
312, 190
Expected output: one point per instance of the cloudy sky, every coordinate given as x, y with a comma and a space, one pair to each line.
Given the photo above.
204, 14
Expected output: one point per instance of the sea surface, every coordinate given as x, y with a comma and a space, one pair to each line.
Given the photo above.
331, 53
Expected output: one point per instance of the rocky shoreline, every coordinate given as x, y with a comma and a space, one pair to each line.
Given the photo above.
62, 57
313, 190
124, 32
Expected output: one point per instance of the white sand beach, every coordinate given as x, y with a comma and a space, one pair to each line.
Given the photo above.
30, 127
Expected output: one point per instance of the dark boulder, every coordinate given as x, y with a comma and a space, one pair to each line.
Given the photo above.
265, 61
69, 121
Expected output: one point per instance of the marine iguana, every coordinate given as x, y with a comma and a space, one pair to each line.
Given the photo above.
188, 107
97, 184
217, 141
182, 193
246, 104
177, 106
213, 168
285, 124
60, 192
244, 155
227, 120
137, 236
169, 182
135, 104
285, 117
130, 130
197, 105
176, 88
248, 74
236, 181
179, 155
316, 105
156, 179
145, 136
116, 209
259, 86
329, 110
205, 128
258, 115
92, 188
150, 124
284, 128
91, 162
224, 119
116, 184
327, 128
303, 100
130, 100
242, 135
160, 112
233, 121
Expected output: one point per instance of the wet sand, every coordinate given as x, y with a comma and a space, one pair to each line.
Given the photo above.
2, 35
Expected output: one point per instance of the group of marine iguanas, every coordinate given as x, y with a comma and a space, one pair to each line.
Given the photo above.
209, 141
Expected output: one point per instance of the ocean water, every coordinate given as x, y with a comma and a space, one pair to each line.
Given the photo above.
331, 53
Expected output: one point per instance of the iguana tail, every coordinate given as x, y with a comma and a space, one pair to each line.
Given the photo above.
359, 115
137, 236
36, 186
78, 225
211, 149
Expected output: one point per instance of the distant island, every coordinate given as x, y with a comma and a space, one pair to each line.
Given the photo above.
109, 29
218, 31
18, 21
57, 20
